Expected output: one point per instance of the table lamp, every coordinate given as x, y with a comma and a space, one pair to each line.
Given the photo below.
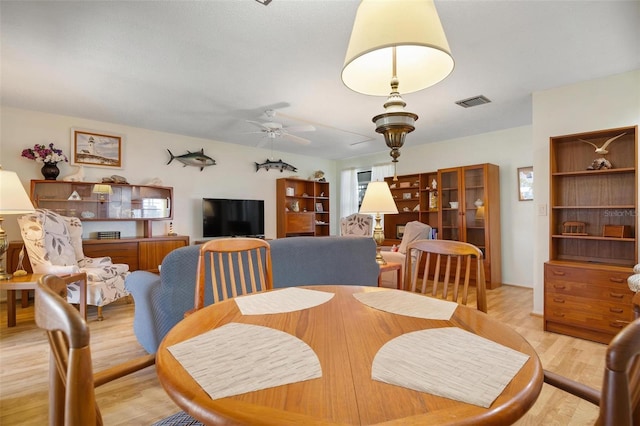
378, 200
102, 190
13, 200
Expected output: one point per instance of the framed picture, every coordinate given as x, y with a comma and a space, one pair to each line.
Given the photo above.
96, 149
406, 196
399, 231
525, 183
319, 207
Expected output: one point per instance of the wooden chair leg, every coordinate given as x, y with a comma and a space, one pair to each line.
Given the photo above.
100, 317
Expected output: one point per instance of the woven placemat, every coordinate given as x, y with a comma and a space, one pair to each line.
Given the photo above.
239, 358
281, 301
448, 362
409, 304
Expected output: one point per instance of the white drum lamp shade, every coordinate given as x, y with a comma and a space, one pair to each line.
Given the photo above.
413, 27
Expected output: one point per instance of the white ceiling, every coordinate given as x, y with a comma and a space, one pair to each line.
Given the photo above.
202, 68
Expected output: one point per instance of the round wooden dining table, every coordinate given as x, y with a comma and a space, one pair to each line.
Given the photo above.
346, 334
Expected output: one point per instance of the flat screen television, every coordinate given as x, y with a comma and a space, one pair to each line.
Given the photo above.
232, 218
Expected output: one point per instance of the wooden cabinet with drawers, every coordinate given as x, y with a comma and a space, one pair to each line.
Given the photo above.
593, 233
588, 301
139, 253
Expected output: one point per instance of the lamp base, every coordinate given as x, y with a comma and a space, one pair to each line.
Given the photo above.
378, 237
379, 259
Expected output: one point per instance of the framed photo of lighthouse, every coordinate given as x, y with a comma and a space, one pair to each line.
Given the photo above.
96, 149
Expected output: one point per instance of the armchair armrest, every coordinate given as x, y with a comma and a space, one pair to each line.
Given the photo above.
141, 285
575, 388
123, 369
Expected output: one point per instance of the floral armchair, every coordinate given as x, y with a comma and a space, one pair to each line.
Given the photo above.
356, 224
54, 246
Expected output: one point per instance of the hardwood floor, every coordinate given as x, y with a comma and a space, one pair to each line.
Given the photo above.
140, 400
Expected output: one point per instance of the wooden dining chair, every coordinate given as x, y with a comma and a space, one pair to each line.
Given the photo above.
72, 381
619, 399
233, 266
447, 266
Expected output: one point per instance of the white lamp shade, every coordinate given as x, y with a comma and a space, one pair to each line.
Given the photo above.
13, 197
378, 199
423, 57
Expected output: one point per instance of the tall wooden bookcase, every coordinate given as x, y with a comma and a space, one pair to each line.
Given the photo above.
426, 197
416, 199
593, 241
475, 219
302, 207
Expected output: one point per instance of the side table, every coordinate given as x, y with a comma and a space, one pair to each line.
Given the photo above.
29, 282
391, 266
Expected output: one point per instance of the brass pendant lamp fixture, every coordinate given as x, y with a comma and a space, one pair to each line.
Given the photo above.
401, 43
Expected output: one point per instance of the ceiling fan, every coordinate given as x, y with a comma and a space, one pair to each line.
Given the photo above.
274, 130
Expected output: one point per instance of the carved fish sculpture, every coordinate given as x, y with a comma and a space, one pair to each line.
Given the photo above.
279, 165
196, 159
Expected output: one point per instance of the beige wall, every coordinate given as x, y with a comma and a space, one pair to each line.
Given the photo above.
146, 157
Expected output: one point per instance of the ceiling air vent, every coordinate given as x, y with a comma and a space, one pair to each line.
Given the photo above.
475, 101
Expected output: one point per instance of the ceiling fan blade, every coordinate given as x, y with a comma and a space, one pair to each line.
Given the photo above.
258, 124
296, 129
296, 139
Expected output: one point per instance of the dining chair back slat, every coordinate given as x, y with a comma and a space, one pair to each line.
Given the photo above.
232, 267
448, 266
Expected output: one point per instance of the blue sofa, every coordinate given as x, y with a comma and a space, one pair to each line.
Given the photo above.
161, 300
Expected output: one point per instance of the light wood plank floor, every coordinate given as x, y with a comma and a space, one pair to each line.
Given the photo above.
140, 400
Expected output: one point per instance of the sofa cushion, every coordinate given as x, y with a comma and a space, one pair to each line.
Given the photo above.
324, 260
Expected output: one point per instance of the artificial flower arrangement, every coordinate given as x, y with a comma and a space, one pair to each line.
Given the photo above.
44, 154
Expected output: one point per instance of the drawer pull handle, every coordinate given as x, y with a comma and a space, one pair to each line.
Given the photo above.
560, 273
616, 295
616, 280
559, 286
555, 299
616, 310
558, 314
616, 324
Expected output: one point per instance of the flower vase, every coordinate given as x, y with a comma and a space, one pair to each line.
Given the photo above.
50, 171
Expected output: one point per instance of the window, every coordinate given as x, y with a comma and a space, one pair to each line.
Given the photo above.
364, 178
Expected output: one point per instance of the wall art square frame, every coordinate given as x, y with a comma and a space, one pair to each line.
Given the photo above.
399, 231
97, 149
319, 208
525, 183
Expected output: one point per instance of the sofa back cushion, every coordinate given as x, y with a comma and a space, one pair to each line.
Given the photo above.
324, 260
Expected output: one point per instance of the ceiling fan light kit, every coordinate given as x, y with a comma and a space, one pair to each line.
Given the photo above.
396, 40
274, 130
